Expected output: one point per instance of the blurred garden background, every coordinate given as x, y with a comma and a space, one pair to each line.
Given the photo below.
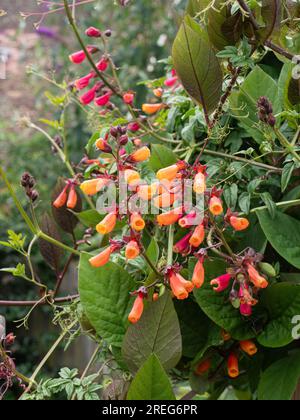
34, 48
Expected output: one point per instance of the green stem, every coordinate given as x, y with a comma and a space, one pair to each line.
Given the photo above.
53, 241
286, 144
292, 203
170, 245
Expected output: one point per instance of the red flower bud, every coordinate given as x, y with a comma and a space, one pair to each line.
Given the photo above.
198, 275
233, 366
245, 309
88, 97
137, 309
62, 198
103, 100
171, 81
72, 198
221, 283
93, 32
84, 81
128, 98
183, 246
133, 127
102, 64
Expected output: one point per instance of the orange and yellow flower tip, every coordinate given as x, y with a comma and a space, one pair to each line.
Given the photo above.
146, 192
168, 173
198, 236
137, 310
72, 198
158, 92
203, 367
132, 250
225, 335
215, 206
131, 177
102, 145
233, 366
61, 199
248, 347
137, 223
199, 186
259, 281
141, 154
169, 218
177, 287
198, 275
151, 109
107, 225
239, 223
164, 200
155, 297
93, 186
101, 259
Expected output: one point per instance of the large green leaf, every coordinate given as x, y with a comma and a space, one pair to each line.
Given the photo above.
244, 102
89, 218
194, 7
282, 302
197, 66
161, 157
105, 297
217, 306
151, 383
157, 332
279, 381
283, 233
271, 14
197, 330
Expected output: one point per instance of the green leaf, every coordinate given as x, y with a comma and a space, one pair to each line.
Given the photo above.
282, 301
287, 173
271, 14
153, 251
196, 6
151, 383
197, 66
89, 218
197, 330
231, 196
244, 102
161, 157
279, 381
105, 297
216, 305
157, 332
268, 200
283, 233
245, 202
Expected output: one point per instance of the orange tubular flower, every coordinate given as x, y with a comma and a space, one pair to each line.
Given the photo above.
146, 192
137, 309
215, 206
199, 183
158, 92
198, 275
155, 297
180, 287
107, 225
169, 218
132, 250
137, 223
258, 280
151, 109
169, 173
233, 366
203, 367
164, 200
239, 223
93, 186
198, 236
141, 154
131, 177
248, 347
61, 199
101, 259
72, 198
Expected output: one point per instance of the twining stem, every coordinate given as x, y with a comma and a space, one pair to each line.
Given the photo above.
49, 354
24, 303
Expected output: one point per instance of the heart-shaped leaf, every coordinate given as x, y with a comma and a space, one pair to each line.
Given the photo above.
157, 332
105, 297
151, 383
202, 78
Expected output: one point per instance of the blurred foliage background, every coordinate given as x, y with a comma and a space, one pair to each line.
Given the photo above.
142, 34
